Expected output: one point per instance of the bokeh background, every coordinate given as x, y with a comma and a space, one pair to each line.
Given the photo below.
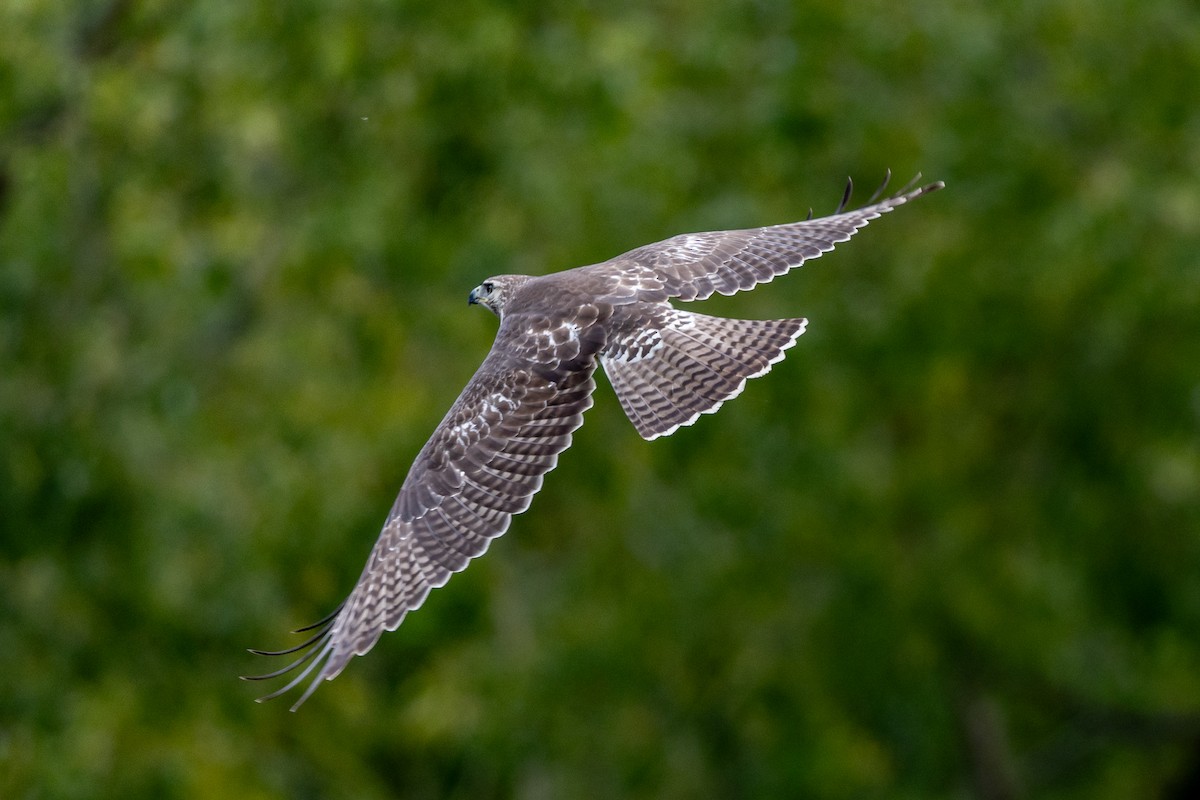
950, 548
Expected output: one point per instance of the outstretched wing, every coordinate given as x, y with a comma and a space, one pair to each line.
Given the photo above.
692, 266
484, 463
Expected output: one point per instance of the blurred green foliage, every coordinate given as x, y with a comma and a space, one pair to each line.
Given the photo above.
949, 548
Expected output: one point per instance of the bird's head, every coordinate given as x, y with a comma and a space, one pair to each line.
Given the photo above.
494, 293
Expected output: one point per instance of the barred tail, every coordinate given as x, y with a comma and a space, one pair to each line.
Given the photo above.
698, 363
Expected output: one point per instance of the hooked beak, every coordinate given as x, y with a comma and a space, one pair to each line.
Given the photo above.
473, 297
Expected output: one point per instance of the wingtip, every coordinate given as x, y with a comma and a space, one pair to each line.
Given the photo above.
910, 191
887, 178
923, 190
315, 656
914, 189
879, 203
846, 196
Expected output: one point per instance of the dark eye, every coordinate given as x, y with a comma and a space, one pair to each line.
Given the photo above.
487, 286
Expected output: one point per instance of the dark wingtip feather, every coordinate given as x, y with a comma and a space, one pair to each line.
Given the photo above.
912, 190
317, 657
306, 643
282, 670
909, 191
318, 647
846, 196
879, 192
906, 193
328, 618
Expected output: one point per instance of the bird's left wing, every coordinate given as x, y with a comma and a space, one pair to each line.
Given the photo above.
484, 463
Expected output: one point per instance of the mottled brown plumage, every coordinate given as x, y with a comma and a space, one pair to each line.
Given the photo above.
487, 457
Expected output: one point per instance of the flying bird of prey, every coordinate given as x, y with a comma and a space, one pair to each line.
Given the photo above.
487, 457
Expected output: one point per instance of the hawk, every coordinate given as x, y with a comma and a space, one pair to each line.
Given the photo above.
487, 457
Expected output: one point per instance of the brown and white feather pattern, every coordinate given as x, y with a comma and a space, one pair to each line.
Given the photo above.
692, 266
488, 456
671, 366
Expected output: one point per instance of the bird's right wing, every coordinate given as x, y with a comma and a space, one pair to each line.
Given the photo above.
692, 266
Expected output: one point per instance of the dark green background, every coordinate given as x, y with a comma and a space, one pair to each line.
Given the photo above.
950, 548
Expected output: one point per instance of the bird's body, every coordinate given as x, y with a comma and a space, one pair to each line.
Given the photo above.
487, 457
